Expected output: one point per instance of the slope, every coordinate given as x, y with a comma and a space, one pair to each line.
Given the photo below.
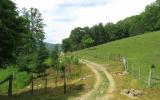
142, 51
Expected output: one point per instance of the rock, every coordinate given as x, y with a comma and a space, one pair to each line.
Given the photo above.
132, 93
125, 72
122, 73
126, 91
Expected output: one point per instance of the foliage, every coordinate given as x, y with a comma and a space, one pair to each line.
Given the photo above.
41, 58
66, 45
35, 26
147, 21
21, 79
27, 62
12, 28
51, 46
21, 35
54, 56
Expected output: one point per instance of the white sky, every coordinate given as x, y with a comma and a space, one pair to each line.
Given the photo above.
61, 16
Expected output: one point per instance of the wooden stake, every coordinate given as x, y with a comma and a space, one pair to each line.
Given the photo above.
132, 69
32, 86
10, 86
139, 72
149, 77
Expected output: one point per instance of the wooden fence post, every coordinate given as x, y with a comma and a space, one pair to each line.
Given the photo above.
10, 86
139, 73
108, 58
126, 64
65, 85
132, 69
149, 77
32, 86
119, 57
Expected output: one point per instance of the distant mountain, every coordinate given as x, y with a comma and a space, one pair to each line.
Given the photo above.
50, 46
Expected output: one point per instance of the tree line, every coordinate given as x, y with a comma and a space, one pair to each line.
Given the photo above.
21, 38
147, 21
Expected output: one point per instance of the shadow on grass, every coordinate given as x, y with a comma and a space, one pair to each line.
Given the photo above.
51, 94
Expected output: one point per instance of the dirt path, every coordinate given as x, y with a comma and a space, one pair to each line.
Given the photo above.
104, 85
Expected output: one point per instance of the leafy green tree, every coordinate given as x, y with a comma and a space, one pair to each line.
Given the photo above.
41, 58
66, 45
54, 62
12, 30
110, 31
87, 41
36, 26
64, 63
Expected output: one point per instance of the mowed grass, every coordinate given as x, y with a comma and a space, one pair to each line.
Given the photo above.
142, 51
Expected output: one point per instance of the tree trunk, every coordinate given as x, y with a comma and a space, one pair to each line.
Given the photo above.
56, 78
32, 86
65, 85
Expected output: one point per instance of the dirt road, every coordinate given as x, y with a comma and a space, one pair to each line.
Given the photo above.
104, 85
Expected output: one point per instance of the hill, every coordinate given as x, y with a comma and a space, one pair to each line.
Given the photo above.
50, 46
142, 51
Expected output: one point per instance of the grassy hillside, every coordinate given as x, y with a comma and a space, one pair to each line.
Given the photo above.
142, 51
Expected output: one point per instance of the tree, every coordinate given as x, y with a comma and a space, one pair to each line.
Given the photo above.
36, 26
98, 34
41, 57
87, 41
12, 29
110, 31
66, 45
64, 63
54, 62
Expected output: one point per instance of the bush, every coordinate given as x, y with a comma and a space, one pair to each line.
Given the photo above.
20, 79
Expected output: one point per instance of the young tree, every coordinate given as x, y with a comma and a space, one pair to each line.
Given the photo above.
54, 62
41, 57
64, 63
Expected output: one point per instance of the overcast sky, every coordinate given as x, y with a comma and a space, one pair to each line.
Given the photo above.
61, 16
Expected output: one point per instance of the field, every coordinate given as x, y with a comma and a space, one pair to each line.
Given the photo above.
142, 52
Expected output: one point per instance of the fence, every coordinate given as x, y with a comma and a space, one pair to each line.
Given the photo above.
9, 79
45, 85
135, 71
10, 84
